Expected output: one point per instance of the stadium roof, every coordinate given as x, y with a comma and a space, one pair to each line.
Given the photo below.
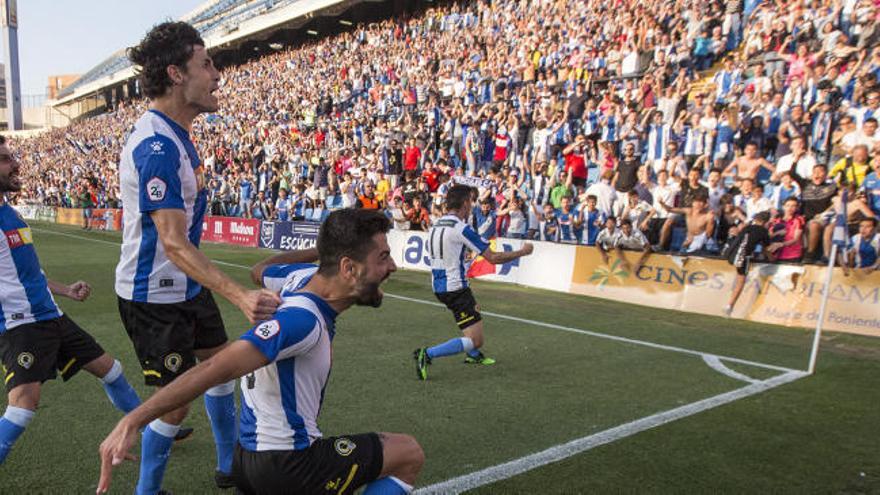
220, 22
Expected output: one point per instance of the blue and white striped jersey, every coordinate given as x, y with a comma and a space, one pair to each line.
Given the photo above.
448, 241
286, 279
159, 168
24, 292
280, 402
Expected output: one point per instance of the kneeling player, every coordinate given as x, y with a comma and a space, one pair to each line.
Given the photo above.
449, 238
36, 338
284, 363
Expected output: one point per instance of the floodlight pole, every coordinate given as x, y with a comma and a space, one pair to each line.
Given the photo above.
9, 33
817, 336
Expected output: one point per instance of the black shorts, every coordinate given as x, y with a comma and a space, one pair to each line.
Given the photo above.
331, 466
165, 336
34, 351
744, 269
463, 306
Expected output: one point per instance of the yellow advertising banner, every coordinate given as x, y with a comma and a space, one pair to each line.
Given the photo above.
70, 216
779, 294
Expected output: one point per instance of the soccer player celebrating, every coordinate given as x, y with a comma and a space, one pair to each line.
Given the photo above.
163, 281
36, 338
450, 237
284, 364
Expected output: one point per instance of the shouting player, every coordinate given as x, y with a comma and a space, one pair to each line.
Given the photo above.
163, 281
284, 364
36, 338
449, 239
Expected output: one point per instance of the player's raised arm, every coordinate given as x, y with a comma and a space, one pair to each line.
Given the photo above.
171, 227
501, 257
234, 361
285, 258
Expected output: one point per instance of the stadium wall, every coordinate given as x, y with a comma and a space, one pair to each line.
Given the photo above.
778, 294
775, 293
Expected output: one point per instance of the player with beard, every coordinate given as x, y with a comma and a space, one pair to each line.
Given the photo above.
284, 364
36, 338
163, 281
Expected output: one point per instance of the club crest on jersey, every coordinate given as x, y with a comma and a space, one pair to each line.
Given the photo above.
344, 446
267, 330
156, 188
173, 362
26, 360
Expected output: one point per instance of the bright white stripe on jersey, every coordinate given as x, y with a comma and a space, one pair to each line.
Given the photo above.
281, 401
289, 278
658, 138
449, 238
157, 170
24, 291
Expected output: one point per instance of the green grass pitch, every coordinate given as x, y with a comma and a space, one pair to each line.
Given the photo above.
818, 434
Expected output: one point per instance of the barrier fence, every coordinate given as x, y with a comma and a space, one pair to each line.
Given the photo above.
775, 293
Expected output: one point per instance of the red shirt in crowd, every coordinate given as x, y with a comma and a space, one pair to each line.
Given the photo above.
502, 143
411, 158
430, 176
794, 225
576, 165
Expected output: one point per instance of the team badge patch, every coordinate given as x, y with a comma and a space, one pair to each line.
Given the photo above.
344, 446
173, 362
156, 188
267, 330
26, 360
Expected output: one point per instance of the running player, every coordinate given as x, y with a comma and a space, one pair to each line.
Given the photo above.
450, 237
284, 364
36, 338
163, 281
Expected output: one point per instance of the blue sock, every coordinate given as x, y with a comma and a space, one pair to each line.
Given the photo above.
155, 449
118, 389
451, 347
388, 486
12, 425
474, 353
220, 404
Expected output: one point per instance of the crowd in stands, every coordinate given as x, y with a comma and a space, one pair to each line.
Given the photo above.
575, 119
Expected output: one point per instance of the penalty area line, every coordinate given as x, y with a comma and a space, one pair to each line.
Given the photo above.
563, 451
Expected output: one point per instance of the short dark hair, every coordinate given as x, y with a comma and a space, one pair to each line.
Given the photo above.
762, 217
169, 43
2, 140
348, 233
457, 196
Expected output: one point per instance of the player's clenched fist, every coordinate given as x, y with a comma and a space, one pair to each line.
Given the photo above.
259, 305
79, 291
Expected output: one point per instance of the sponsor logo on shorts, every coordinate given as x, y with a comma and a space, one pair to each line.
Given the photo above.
26, 360
268, 329
344, 446
173, 362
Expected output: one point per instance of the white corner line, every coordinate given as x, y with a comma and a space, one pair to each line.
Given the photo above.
609, 337
559, 452
715, 363
513, 318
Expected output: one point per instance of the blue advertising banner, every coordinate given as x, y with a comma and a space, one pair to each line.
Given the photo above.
289, 236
